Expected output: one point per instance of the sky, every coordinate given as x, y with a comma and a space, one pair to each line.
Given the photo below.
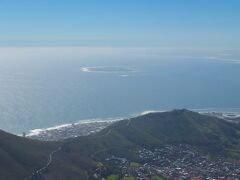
124, 23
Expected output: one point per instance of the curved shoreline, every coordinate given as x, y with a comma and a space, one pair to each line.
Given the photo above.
89, 126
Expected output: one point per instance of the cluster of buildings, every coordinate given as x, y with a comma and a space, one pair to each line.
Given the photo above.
70, 131
183, 161
175, 162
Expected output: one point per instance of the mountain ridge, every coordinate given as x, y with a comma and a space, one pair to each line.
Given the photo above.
79, 157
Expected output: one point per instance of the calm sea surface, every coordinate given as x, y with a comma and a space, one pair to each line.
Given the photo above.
40, 90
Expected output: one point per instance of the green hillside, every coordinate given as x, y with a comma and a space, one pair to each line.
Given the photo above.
79, 157
19, 157
210, 135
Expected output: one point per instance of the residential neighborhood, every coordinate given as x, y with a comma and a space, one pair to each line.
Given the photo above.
175, 162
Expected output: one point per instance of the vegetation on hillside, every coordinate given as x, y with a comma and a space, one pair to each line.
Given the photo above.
79, 157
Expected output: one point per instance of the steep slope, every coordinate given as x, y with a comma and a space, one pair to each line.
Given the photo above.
19, 157
209, 134
79, 157
183, 126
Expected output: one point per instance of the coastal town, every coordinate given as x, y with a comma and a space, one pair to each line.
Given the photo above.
172, 162
85, 128
180, 161
70, 131
227, 116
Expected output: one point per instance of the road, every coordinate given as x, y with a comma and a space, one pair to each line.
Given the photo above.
41, 171
44, 168
129, 121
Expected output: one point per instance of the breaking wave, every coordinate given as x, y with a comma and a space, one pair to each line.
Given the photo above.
233, 112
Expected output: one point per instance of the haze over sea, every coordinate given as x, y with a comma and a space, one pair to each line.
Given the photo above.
44, 87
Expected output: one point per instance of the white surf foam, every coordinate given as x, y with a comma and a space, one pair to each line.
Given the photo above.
36, 132
84, 69
149, 111
107, 69
124, 75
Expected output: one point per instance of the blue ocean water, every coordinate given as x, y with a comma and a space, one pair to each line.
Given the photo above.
40, 91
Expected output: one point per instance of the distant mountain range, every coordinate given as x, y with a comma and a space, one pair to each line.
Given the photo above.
78, 158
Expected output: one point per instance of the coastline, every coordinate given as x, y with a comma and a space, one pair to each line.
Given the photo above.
66, 131
90, 126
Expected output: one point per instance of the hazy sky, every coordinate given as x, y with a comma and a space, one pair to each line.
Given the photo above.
130, 23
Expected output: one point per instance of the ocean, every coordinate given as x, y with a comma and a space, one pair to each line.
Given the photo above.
46, 87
